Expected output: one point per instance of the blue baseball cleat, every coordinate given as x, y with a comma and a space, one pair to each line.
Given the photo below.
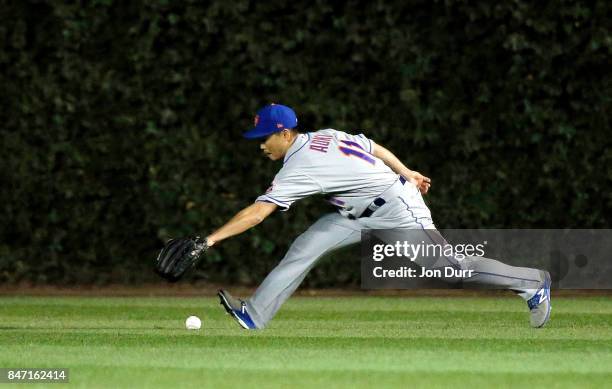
237, 309
539, 304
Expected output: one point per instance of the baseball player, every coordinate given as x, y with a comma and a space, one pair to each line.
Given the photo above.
372, 189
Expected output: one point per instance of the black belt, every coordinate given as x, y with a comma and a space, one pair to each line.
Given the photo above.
377, 203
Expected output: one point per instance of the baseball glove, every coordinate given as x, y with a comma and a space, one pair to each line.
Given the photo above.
178, 256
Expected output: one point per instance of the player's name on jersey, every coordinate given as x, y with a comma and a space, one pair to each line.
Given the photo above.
409, 272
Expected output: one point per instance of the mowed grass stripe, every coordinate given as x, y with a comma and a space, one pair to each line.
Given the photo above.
312, 359
228, 378
184, 339
487, 325
390, 330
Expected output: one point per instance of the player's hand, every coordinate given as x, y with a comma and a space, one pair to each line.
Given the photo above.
421, 182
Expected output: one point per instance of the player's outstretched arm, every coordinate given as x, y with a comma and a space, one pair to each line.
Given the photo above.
247, 218
422, 182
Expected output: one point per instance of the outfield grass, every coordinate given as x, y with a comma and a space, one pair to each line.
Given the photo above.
331, 342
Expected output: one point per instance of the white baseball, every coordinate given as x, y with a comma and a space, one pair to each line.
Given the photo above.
193, 323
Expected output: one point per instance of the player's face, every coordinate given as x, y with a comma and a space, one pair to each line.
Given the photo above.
276, 145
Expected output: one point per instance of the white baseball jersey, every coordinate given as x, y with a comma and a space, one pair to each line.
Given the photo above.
342, 166
333, 163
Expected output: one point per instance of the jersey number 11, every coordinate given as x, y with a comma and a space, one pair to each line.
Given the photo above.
355, 149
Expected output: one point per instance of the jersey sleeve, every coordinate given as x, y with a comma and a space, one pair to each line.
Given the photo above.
288, 188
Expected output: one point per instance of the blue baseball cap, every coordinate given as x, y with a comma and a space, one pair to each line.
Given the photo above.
270, 119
